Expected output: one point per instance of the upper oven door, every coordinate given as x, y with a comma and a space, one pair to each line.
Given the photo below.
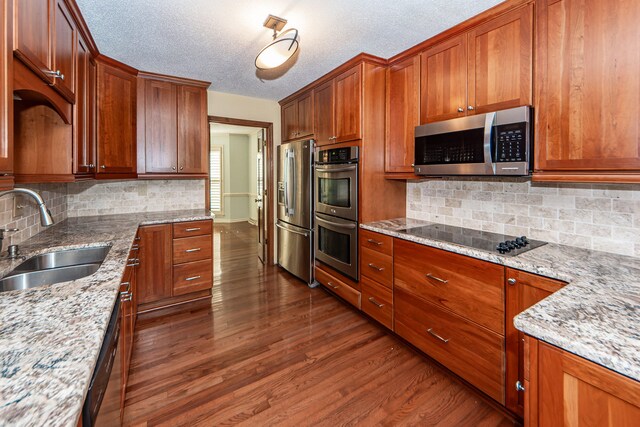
337, 190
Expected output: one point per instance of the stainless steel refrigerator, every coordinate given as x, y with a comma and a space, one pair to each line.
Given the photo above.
295, 208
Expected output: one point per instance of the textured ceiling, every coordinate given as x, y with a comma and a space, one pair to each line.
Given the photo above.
217, 40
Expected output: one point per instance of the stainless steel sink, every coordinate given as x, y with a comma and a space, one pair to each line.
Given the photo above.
33, 279
66, 258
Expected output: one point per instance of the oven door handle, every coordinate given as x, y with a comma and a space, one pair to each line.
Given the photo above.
336, 224
342, 169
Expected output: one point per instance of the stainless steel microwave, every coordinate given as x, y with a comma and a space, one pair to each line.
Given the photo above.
496, 143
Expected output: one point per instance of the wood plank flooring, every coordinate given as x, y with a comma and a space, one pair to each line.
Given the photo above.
267, 350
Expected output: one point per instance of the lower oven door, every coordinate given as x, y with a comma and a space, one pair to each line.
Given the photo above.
337, 244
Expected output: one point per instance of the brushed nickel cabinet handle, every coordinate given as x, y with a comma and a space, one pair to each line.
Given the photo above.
375, 267
127, 284
373, 301
193, 250
192, 229
470, 108
332, 286
460, 109
444, 340
511, 281
519, 386
374, 242
103, 167
431, 276
188, 279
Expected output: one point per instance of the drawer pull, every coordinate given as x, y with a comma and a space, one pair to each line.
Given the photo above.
193, 250
444, 340
192, 229
188, 279
127, 284
375, 267
373, 301
332, 286
431, 276
374, 242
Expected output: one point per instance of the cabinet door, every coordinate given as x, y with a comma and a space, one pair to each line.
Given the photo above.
289, 114
161, 126
403, 114
348, 104
572, 391
500, 62
324, 113
523, 291
82, 161
116, 121
587, 86
64, 43
154, 272
304, 119
32, 34
193, 130
443, 88
6, 101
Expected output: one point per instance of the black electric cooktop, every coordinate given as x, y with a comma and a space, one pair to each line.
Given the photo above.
483, 240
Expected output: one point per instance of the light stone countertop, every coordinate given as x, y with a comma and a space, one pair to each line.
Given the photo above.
50, 336
596, 316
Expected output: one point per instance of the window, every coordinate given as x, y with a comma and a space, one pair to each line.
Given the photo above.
215, 181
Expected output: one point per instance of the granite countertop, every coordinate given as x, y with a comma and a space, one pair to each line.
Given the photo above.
596, 316
50, 336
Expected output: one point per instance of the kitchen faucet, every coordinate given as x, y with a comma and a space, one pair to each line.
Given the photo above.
45, 215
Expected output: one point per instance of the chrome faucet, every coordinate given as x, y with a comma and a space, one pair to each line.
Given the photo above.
45, 215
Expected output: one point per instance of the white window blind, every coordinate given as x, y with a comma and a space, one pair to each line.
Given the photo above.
215, 181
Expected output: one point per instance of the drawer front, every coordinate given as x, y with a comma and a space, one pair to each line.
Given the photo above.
473, 352
192, 277
192, 228
467, 286
376, 241
376, 266
338, 287
377, 302
190, 249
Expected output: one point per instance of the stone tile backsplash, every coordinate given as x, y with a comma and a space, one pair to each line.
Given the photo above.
593, 216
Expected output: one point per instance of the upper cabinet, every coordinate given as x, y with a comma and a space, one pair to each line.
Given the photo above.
487, 68
116, 131
297, 117
587, 91
84, 113
6, 103
324, 108
172, 126
45, 40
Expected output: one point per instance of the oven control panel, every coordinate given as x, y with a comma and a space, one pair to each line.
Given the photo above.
337, 155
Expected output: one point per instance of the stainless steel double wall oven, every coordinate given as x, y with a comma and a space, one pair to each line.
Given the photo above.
336, 209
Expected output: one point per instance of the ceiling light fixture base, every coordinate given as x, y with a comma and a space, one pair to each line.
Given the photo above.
275, 23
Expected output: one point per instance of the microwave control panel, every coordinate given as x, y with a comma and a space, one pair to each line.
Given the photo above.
511, 142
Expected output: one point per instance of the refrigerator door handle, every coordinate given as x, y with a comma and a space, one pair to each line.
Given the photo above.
292, 231
291, 182
286, 181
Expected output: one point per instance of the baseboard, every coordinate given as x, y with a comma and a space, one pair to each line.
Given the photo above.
252, 221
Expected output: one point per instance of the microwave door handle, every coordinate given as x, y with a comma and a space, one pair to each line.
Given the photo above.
336, 224
490, 120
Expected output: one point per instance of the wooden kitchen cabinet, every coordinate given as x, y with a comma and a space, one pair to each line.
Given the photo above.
587, 86
487, 68
64, 51
84, 113
172, 126
297, 117
324, 113
116, 110
342, 287
522, 291
563, 389
376, 276
154, 271
6, 99
348, 105
403, 114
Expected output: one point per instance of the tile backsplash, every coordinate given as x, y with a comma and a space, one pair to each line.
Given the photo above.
593, 216
117, 197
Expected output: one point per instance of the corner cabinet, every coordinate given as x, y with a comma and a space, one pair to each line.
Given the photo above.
116, 131
587, 91
172, 127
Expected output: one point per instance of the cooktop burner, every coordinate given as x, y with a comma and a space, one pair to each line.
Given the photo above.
483, 240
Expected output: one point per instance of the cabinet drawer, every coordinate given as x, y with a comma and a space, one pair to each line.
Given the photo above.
377, 302
469, 350
467, 286
192, 228
376, 241
190, 249
192, 277
338, 287
376, 266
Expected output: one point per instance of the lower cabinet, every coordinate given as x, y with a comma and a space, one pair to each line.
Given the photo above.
338, 286
377, 301
562, 389
154, 271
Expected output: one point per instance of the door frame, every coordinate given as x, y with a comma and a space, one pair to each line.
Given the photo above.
270, 259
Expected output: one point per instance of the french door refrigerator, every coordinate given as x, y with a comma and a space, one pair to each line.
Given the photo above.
295, 208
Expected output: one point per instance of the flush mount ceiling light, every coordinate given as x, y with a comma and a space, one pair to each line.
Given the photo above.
282, 47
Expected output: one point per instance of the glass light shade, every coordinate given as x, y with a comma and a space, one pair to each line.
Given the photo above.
278, 51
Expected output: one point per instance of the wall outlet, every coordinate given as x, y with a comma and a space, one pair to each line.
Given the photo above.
19, 206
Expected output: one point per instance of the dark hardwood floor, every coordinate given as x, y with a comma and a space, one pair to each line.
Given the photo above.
267, 350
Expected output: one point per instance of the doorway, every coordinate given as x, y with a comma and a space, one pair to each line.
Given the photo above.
241, 177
